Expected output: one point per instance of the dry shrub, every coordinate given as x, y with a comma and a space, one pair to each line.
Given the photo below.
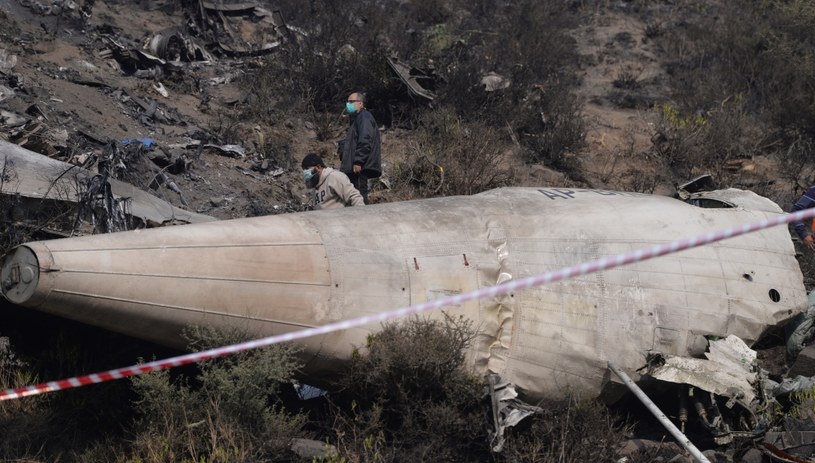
408, 397
451, 157
705, 142
540, 104
458, 42
783, 61
527, 44
759, 54
560, 134
795, 162
24, 421
228, 413
224, 127
411, 397
343, 52
640, 181
59, 425
567, 431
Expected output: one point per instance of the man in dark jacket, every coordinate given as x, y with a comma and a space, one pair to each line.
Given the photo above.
360, 157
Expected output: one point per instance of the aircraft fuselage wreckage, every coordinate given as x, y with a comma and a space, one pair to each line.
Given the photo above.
276, 274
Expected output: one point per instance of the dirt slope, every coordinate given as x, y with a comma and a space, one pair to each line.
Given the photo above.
65, 77
64, 80
617, 53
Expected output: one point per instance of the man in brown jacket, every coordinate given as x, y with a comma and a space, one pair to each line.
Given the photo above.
332, 189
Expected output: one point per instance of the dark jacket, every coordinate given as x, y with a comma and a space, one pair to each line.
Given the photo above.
361, 146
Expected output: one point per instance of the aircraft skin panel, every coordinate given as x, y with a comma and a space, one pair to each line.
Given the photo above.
276, 273
161, 321
294, 264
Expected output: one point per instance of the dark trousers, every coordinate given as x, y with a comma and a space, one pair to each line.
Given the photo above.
360, 182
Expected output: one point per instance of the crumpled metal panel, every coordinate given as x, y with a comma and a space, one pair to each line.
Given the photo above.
728, 370
38, 176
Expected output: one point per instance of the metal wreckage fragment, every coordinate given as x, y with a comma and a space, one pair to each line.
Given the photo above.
109, 205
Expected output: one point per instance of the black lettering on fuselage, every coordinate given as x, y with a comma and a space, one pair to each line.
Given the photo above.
557, 193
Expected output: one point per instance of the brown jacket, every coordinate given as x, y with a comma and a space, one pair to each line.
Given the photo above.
335, 191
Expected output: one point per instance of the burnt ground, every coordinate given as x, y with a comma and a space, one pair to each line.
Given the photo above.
62, 76
64, 73
64, 93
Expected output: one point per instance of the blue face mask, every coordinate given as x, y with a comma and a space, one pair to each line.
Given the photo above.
311, 178
351, 108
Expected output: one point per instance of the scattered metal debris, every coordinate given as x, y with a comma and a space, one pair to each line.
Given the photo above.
493, 82
106, 213
678, 435
736, 401
313, 449
701, 183
419, 82
43, 178
229, 150
7, 60
174, 46
507, 409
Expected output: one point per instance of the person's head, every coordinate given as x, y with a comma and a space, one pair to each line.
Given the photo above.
312, 168
355, 103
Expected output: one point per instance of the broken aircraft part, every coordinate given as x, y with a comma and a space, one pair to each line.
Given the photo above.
675, 432
40, 177
215, 23
507, 409
726, 371
172, 45
281, 273
725, 390
415, 79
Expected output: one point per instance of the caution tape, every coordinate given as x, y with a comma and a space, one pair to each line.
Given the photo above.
490, 292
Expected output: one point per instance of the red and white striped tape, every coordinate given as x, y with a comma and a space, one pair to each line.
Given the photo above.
493, 291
